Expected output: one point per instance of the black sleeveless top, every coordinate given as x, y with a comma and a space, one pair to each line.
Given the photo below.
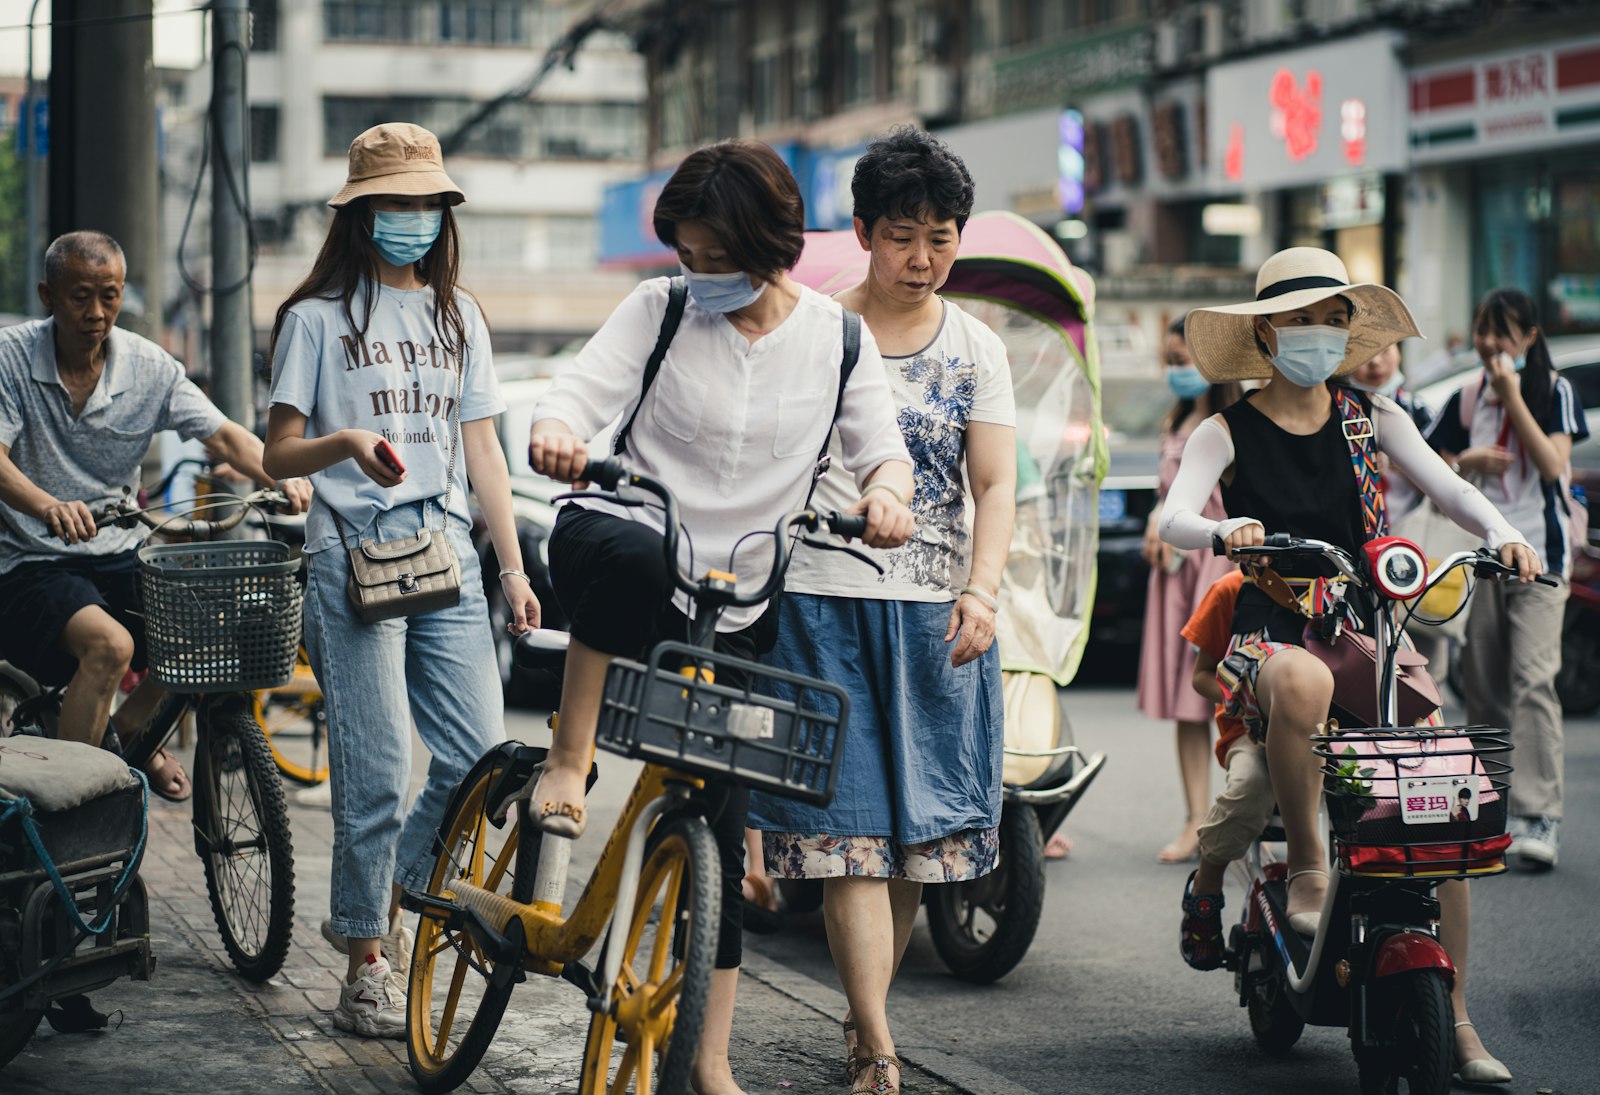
1301, 484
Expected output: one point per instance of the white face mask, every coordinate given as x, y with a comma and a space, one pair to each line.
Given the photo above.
1388, 389
1308, 356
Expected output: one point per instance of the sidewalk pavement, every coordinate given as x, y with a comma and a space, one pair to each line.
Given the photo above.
199, 1027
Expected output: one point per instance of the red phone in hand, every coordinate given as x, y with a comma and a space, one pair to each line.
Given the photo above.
386, 454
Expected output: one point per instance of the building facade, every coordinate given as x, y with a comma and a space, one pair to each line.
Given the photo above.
322, 71
1437, 145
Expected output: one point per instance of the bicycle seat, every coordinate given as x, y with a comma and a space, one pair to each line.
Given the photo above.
542, 648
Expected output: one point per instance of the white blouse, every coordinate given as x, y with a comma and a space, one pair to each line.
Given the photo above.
733, 428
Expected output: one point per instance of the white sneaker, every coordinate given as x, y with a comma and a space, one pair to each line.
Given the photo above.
370, 1005
1516, 828
1541, 845
396, 949
319, 797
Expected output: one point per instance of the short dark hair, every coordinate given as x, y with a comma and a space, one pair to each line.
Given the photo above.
910, 173
746, 195
86, 245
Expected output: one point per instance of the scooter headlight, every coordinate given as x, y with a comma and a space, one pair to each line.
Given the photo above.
1398, 566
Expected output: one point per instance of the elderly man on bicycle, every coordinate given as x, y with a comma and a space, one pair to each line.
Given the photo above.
80, 400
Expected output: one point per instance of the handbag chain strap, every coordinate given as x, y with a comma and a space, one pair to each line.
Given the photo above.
450, 478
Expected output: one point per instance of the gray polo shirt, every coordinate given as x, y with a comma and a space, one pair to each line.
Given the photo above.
141, 392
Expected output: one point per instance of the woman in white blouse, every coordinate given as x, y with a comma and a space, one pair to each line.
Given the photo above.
734, 421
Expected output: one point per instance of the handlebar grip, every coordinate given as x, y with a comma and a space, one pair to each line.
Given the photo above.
607, 473
847, 524
1546, 580
1279, 540
1218, 545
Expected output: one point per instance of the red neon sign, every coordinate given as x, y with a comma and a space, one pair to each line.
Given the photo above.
1296, 112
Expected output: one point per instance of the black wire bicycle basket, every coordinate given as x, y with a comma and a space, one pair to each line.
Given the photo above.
774, 731
1418, 802
221, 617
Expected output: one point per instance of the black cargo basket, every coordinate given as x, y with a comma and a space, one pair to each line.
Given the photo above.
221, 617
776, 732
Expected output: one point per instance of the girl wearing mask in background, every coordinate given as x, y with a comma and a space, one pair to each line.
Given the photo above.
1178, 579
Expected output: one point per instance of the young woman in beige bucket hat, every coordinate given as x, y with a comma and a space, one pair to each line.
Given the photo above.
1284, 465
384, 392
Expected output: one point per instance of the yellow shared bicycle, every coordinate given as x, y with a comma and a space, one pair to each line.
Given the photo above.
493, 910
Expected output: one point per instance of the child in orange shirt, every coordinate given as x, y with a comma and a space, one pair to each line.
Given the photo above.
1242, 809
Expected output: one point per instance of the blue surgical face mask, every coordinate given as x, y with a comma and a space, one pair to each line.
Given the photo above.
1388, 389
1186, 382
1519, 363
722, 292
1308, 356
404, 237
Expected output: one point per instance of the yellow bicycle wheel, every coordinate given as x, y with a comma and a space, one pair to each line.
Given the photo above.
292, 717
457, 992
645, 1042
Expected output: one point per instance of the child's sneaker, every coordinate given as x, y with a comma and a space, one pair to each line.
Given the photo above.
370, 1005
1200, 938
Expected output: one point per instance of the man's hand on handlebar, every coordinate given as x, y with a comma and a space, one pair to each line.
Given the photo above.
889, 521
72, 522
1523, 559
559, 455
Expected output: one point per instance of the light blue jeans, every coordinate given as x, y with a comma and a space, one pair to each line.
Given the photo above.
437, 668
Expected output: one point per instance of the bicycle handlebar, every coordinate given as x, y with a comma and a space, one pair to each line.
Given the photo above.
611, 474
125, 512
1484, 564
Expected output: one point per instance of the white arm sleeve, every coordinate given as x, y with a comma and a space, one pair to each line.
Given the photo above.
1206, 456
1459, 500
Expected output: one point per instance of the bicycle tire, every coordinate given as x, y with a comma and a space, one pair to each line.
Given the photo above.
674, 1001
1011, 897
242, 834
463, 850
278, 714
16, 1029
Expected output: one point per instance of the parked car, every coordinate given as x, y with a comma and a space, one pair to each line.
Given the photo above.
1133, 408
531, 496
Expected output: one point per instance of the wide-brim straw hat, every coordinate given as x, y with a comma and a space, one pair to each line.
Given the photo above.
1222, 340
396, 158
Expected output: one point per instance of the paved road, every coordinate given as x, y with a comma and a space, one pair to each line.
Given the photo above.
1103, 1003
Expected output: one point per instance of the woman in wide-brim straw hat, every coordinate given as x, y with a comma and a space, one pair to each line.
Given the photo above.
1285, 465
381, 378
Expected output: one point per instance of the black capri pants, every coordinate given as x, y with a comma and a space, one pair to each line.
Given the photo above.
608, 572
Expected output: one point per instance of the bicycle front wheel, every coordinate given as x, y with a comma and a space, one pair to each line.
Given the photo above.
658, 1003
457, 992
242, 835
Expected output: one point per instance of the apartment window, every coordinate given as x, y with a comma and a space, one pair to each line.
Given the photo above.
494, 240
263, 134
672, 110
766, 65
983, 26
859, 52
807, 60
571, 243
263, 26
484, 22
588, 131
343, 118
370, 20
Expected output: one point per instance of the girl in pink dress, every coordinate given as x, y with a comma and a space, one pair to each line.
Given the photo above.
1178, 580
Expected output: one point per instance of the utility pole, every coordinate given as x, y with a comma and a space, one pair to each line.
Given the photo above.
103, 139
232, 325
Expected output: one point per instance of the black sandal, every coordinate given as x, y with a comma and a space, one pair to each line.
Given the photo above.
1200, 937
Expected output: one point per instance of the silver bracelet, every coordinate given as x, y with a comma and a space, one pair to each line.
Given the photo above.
518, 573
983, 596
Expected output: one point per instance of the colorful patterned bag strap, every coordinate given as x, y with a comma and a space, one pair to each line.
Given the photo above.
1364, 459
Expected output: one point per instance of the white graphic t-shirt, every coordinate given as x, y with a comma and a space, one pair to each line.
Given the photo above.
395, 379
962, 376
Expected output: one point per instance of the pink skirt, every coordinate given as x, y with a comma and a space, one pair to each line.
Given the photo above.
1166, 660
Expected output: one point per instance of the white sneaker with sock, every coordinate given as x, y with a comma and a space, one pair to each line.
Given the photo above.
370, 1006
396, 949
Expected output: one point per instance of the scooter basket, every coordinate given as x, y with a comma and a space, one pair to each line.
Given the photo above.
221, 617
787, 743
1417, 802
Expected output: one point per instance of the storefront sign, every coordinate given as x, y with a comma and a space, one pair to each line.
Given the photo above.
627, 229
1303, 117
1053, 76
824, 175
1505, 102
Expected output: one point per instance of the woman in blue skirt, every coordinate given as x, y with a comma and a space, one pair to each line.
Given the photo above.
919, 792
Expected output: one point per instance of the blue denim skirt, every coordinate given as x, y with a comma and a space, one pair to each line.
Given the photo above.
924, 746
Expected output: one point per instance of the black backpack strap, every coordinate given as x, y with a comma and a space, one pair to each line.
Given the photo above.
847, 365
677, 297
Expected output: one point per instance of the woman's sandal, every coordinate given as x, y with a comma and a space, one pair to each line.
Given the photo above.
850, 1050
1304, 923
164, 771
1481, 1070
870, 1074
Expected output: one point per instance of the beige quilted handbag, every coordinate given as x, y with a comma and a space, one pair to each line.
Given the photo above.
414, 574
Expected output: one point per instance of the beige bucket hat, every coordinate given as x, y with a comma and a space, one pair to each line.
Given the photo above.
396, 158
1223, 340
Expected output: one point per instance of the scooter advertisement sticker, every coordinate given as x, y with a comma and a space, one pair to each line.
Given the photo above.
1438, 798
